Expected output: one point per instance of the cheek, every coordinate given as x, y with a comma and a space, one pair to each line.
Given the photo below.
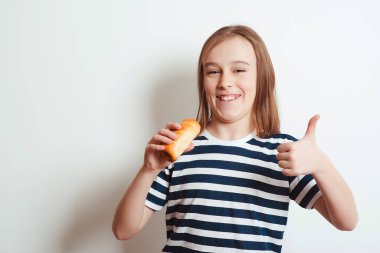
209, 88
249, 88
253, 82
247, 81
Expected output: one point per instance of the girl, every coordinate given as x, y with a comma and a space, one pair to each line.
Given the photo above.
230, 190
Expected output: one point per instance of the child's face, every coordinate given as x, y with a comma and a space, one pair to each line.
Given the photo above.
230, 80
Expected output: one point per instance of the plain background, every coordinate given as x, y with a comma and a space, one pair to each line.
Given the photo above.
85, 84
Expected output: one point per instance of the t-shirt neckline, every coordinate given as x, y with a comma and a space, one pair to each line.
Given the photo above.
244, 139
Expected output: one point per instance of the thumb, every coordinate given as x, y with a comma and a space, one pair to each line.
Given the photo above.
312, 126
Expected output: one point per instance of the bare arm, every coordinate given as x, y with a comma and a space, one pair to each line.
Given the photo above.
337, 204
131, 214
303, 157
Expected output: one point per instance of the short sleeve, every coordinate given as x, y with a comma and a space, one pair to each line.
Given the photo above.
158, 192
304, 191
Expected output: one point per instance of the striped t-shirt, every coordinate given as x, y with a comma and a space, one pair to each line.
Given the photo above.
229, 196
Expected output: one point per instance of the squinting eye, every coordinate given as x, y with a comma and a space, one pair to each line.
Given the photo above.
239, 70
211, 72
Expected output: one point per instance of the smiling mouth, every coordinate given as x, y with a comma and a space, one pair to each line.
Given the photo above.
227, 97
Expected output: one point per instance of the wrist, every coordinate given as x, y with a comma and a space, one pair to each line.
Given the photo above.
148, 170
324, 165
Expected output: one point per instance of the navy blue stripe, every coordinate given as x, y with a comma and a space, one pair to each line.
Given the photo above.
218, 149
299, 187
225, 180
156, 200
309, 196
234, 166
224, 227
291, 179
227, 212
178, 249
164, 176
228, 243
229, 196
268, 145
159, 187
201, 138
283, 136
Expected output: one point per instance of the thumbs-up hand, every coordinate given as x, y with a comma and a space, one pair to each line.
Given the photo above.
303, 156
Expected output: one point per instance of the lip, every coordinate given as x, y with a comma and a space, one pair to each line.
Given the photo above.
227, 97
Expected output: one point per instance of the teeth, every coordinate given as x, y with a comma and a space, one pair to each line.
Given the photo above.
227, 98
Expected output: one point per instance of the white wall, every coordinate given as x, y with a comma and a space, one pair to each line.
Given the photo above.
85, 84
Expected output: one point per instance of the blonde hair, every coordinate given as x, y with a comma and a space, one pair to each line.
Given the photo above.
265, 113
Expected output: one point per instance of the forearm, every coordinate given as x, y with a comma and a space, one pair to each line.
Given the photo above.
130, 211
337, 196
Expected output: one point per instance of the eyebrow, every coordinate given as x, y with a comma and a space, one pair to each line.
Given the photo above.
231, 62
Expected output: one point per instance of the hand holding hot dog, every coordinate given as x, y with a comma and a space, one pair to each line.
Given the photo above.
169, 143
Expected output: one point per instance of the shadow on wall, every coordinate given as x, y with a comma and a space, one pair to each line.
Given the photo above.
173, 98
90, 217
89, 226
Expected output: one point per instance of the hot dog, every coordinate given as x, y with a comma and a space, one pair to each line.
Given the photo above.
190, 129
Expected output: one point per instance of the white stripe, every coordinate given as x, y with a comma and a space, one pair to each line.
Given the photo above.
226, 235
231, 173
314, 199
157, 194
228, 220
263, 150
229, 188
230, 158
295, 182
228, 204
152, 205
273, 140
205, 248
162, 182
269, 140
304, 191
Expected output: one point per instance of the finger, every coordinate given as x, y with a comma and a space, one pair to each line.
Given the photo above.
191, 147
285, 147
310, 131
284, 164
283, 156
168, 133
155, 147
288, 172
162, 139
173, 126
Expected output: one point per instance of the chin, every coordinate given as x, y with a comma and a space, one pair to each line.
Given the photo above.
229, 118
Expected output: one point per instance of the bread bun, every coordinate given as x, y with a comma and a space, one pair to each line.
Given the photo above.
190, 129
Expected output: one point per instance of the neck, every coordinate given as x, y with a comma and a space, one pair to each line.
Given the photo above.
230, 130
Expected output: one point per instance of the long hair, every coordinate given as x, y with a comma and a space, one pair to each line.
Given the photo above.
265, 113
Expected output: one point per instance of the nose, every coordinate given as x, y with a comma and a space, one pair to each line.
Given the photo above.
225, 80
